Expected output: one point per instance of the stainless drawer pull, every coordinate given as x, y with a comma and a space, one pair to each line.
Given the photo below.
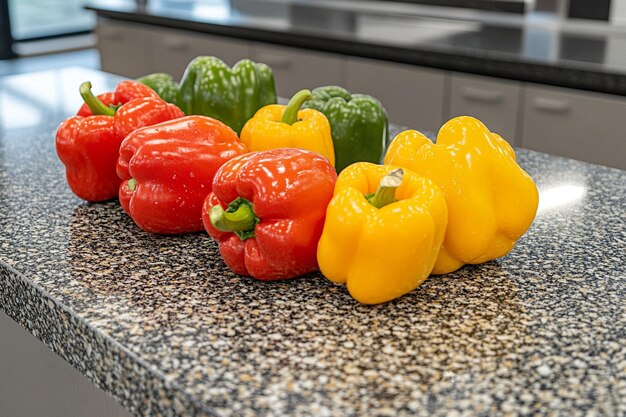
551, 105
485, 96
274, 61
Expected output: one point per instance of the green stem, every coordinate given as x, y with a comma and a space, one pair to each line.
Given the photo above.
132, 184
386, 192
290, 116
95, 105
238, 217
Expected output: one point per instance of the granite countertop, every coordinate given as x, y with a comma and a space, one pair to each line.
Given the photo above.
163, 325
532, 48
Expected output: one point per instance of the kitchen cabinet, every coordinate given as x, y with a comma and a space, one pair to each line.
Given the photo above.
412, 96
36, 382
295, 69
155, 49
177, 48
580, 125
125, 49
494, 102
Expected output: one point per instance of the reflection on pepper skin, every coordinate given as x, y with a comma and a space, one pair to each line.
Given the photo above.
491, 200
381, 251
267, 211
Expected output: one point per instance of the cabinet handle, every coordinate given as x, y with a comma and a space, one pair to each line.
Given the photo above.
484, 96
274, 61
177, 44
551, 105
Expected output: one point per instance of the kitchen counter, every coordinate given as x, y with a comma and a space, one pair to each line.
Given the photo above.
161, 323
586, 56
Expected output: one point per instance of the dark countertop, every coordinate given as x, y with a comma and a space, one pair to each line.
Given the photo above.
161, 324
533, 48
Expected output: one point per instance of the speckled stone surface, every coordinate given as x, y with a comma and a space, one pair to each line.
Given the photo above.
162, 325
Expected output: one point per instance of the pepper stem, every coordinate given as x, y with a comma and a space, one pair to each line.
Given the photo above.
238, 217
386, 192
132, 184
290, 116
93, 102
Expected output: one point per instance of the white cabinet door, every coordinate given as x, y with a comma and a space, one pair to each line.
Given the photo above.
494, 102
125, 49
174, 49
295, 69
412, 96
586, 126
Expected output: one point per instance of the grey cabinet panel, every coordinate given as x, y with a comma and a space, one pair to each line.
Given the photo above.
295, 69
133, 50
586, 126
413, 96
580, 125
494, 102
177, 48
125, 49
35, 382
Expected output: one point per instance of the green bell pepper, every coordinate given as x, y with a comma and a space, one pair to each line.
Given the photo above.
209, 87
358, 124
163, 84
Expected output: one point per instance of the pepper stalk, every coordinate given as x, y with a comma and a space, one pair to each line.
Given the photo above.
386, 192
95, 105
290, 116
239, 218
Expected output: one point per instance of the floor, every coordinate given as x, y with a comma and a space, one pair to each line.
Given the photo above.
88, 58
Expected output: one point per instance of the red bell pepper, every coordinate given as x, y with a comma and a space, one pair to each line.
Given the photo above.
267, 211
89, 146
168, 169
124, 92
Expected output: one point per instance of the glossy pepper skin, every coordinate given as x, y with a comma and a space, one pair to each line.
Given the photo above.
88, 146
211, 88
167, 171
358, 123
277, 126
381, 247
267, 212
163, 84
491, 200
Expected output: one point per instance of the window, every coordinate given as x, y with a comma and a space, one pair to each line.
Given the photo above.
35, 19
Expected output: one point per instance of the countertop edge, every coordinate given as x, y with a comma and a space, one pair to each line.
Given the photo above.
497, 64
103, 295
95, 355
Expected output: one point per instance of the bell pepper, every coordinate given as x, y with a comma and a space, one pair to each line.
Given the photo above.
383, 231
124, 92
163, 84
210, 88
277, 126
491, 200
89, 145
167, 171
267, 212
358, 123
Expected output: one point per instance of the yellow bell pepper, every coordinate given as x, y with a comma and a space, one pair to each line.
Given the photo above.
277, 126
382, 245
491, 200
